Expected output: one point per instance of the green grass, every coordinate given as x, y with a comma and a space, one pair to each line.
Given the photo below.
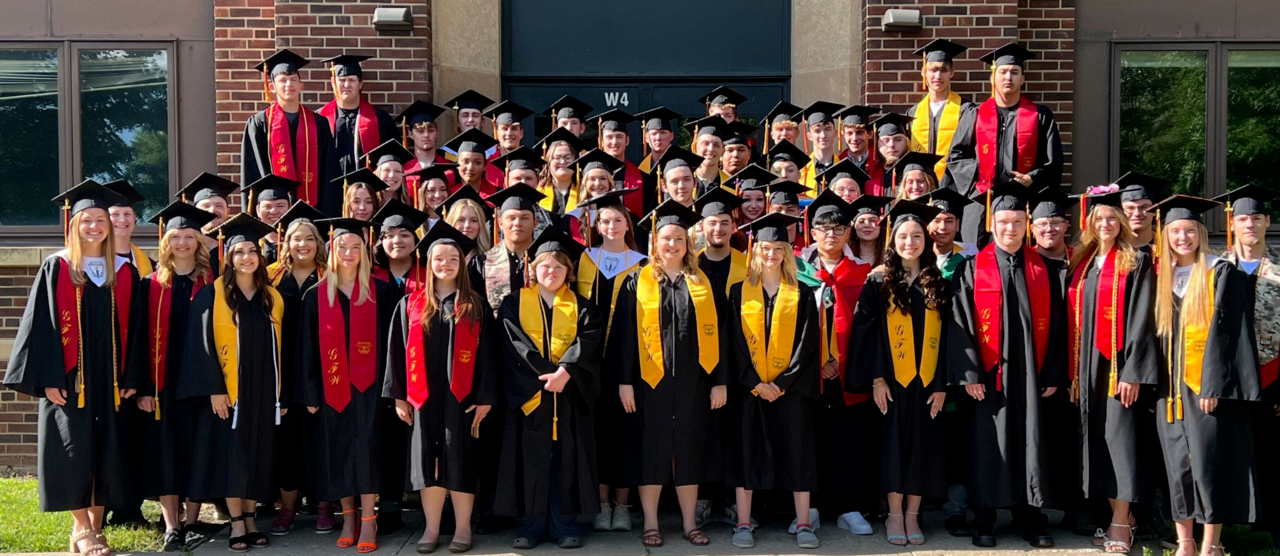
27, 529
1240, 540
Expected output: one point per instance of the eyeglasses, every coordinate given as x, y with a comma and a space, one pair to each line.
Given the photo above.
832, 230
564, 158
1051, 223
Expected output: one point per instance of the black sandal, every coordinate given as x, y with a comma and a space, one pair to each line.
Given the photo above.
174, 540
242, 540
256, 538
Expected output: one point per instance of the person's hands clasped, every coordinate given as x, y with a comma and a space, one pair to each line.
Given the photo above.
555, 382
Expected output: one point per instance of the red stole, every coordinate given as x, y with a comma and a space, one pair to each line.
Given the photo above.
466, 339
492, 172
366, 126
346, 365
1104, 311
846, 282
987, 130
65, 296
413, 183
1270, 371
412, 282
160, 296
633, 182
875, 169
280, 144
988, 299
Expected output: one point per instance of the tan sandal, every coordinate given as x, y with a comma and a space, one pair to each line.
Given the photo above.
99, 547
652, 538
1120, 547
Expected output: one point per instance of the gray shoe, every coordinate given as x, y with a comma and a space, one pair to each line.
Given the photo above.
805, 538
742, 537
621, 518
604, 519
701, 512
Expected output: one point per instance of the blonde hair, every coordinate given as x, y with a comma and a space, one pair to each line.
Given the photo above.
164, 267
363, 270
583, 194
755, 266
688, 264
1195, 304
483, 241
75, 252
349, 196
285, 255
1087, 246
785, 124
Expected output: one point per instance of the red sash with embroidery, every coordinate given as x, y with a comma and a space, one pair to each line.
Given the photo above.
988, 130
280, 143
1103, 310
160, 296
633, 182
64, 298
366, 125
846, 283
988, 299
345, 365
466, 338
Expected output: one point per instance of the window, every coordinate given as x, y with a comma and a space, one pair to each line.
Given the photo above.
1162, 117
1253, 118
29, 130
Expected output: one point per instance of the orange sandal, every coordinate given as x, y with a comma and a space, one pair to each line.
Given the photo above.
348, 542
366, 547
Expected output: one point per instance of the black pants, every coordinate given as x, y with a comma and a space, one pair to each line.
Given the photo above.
1024, 516
552, 524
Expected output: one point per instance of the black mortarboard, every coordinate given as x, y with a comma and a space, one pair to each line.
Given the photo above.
710, 125
739, 133
610, 199
821, 112
1182, 207
716, 201
856, 115
507, 112
568, 107
750, 177
1011, 54
561, 134
940, 50
347, 64
435, 171
469, 99
397, 214
302, 212
947, 200
1136, 187
420, 112
910, 209
471, 194
283, 61
126, 190
1049, 202
657, 118
916, 160
365, 176
1248, 199
391, 151
676, 157
522, 158
614, 120
1008, 196
829, 203
783, 112
472, 141
517, 196
551, 239
782, 192
596, 158
868, 204
180, 215
268, 188
786, 150
207, 185
1113, 199
892, 124
668, 213
846, 168
442, 232
341, 226
239, 228
771, 227
723, 95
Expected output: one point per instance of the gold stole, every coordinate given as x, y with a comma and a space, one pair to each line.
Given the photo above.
649, 325
947, 124
564, 328
737, 268
1194, 340
141, 262
646, 163
770, 361
902, 343
586, 283
549, 201
226, 336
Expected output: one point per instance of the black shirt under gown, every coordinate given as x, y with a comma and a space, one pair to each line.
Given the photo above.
255, 160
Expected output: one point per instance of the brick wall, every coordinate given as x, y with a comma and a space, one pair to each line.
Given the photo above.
1046, 27
17, 411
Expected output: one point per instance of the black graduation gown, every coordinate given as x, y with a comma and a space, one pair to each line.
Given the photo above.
344, 137
346, 447
962, 161
294, 464
270, 251
1112, 438
255, 160
393, 434
1008, 460
912, 443
676, 422
81, 460
612, 448
934, 118
771, 445
232, 462
716, 271
442, 452
1208, 458
526, 468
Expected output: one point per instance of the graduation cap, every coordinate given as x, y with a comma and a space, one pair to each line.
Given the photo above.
552, 240
946, 200
782, 192
468, 193
283, 61
783, 112
346, 64
786, 150
1182, 207
469, 99
675, 157
391, 151
568, 107
610, 199
856, 115
613, 120
868, 204
892, 124
710, 125
126, 190
739, 133
846, 168
437, 171
240, 228
940, 50
821, 112
342, 226
442, 232
207, 185
1011, 54
1007, 196
522, 158
397, 214
596, 158
828, 203
1050, 202
561, 134
269, 188
716, 201
517, 196
1134, 186
722, 95
472, 141
657, 118
507, 112
771, 227
302, 212
420, 112
365, 176
916, 160
669, 213
1246, 200
910, 210
180, 215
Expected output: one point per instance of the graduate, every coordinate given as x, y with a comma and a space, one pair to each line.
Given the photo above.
723, 101
1009, 352
723, 265
822, 137
165, 302
210, 193
948, 252
387, 162
508, 129
775, 383
442, 372
675, 175
570, 113
737, 148
744, 185
433, 189
675, 380
785, 160
936, 116
418, 124
342, 330
898, 334
857, 132
659, 134
893, 137
356, 125
1114, 356
268, 200
597, 170
782, 123
1202, 413
614, 140
394, 259
558, 180
845, 179
82, 288
361, 194
914, 173
1006, 139
468, 114
709, 135
553, 338
289, 140
1136, 199
473, 217
471, 146
1049, 225
866, 242
124, 220
231, 361
505, 263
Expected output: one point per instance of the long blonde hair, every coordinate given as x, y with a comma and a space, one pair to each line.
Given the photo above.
75, 252
363, 270
164, 267
755, 266
483, 241
688, 265
1195, 304
285, 255
1087, 247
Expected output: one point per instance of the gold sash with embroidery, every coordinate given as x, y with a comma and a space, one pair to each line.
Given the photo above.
947, 124
902, 343
737, 268
564, 327
226, 336
770, 361
649, 325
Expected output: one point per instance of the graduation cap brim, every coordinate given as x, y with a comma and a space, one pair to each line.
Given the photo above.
391, 150
784, 110
947, 200
916, 160
892, 124
270, 187
469, 99
305, 212
716, 201
561, 134
241, 228
569, 107
846, 168
551, 239
786, 150
782, 191
1049, 202
126, 190
435, 171
518, 196
89, 194
821, 112
749, 177
771, 227
610, 199
365, 176
397, 214
442, 232
596, 158
347, 64
657, 118
182, 215
470, 194
206, 185
868, 204
341, 226
1009, 196
507, 112
1009, 54
283, 61
1182, 207
522, 158
1248, 199
613, 120
420, 112
472, 141
828, 202
740, 132
940, 50
911, 209
710, 125
857, 114
676, 157
669, 213
723, 95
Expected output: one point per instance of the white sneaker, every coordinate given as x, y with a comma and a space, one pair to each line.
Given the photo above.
701, 512
604, 519
621, 518
853, 522
813, 522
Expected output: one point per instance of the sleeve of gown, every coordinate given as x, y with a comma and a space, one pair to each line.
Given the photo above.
393, 380
867, 359
1142, 348
475, 268
250, 151
488, 386
741, 369
137, 374
387, 129
1230, 358
625, 366
721, 376
201, 372
1054, 371
582, 359
962, 159
803, 376
327, 162
963, 364
522, 363
1048, 170
36, 360
309, 390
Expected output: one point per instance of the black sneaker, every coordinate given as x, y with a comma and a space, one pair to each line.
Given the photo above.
1038, 537
175, 540
985, 538
958, 526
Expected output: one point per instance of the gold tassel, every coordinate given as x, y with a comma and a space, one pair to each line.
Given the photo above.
555, 417
66, 223
1229, 226
989, 230
80, 361
266, 89
1115, 372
